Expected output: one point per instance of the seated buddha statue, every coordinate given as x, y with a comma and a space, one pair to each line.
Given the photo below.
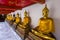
26, 20
45, 26
17, 20
9, 17
26, 24
12, 18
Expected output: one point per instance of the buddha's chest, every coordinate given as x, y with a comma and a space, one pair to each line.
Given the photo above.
26, 20
17, 19
45, 23
10, 18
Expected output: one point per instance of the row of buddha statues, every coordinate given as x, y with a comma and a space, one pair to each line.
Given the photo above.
16, 19
44, 29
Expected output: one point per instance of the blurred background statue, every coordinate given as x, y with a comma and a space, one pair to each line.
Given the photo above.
17, 20
26, 24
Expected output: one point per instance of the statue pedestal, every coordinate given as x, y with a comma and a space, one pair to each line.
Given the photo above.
34, 36
10, 22
21, 33
31, 36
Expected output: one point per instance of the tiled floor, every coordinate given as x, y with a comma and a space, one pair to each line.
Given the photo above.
7, 33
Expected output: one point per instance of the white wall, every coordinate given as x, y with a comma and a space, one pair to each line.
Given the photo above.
35, 12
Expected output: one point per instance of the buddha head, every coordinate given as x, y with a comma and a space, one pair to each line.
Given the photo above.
10, 15
25, 13
17, 15
7, 16
45, 11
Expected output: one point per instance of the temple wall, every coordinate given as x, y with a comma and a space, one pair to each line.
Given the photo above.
35, 12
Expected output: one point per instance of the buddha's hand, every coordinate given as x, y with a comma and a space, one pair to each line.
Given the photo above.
22, 26
40, 34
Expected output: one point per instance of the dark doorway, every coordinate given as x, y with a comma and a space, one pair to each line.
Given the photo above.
2, 17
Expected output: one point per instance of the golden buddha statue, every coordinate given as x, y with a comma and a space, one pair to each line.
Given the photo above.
26, 20
17, 19
45, 26
26, 24
10, 18
7, 17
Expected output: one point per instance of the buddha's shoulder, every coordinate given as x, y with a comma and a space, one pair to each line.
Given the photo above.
26, 17
41, 18
46, 19
50, 19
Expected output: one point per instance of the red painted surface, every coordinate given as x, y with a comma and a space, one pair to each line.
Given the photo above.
17, 4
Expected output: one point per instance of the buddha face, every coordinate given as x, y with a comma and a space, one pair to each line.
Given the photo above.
17, 15
45, 13
11, 15
25, 14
